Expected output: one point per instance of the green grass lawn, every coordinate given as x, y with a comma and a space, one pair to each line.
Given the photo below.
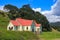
17, 35
50, 35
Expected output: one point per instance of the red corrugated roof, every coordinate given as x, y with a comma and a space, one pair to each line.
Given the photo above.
36, 24
24, 22
14, 22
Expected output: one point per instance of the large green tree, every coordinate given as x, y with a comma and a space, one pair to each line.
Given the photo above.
13, 10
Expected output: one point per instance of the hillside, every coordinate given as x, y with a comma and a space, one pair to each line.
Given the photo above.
3, 22
56, 24
16, 35
13, 35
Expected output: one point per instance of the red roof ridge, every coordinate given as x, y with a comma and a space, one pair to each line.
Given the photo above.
37, 24
24, 22
14, 22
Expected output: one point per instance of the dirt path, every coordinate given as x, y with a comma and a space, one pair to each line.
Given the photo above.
54, 30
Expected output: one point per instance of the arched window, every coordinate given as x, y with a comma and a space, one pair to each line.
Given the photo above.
10, 28
27, 28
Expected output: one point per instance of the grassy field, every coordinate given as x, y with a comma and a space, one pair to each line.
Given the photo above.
50, 36
3, 22
16, 35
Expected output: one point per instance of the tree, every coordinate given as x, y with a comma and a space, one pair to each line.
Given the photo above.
13, 10
26, 12
10, 7
43, 20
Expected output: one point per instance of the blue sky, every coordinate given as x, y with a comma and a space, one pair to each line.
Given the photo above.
43, 4
49, 8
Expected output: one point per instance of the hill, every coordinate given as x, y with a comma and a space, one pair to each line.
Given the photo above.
56, 24
13, 35
3, 22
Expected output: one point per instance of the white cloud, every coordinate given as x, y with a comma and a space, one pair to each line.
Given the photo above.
51, 17
37, 9
54, 14
56, 8
1, 7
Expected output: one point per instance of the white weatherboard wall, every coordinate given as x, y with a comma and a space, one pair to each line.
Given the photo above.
10, 25
38, 28
25, 28
20, 28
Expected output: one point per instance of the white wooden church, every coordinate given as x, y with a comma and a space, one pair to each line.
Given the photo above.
24, 25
